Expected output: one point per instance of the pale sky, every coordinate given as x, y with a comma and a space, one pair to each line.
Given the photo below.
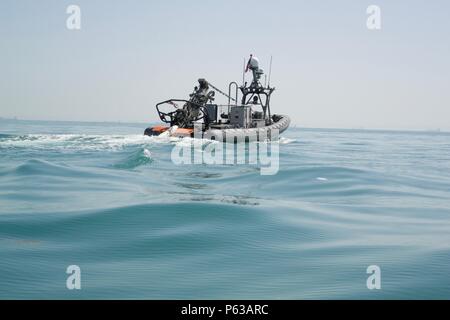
328, 68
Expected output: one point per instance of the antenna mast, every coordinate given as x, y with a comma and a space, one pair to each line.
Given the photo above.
243, 73
270, 70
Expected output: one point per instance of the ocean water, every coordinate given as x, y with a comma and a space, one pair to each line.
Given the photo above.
104, 197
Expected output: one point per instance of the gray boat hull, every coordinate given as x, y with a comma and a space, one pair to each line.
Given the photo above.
248, 135
229, 135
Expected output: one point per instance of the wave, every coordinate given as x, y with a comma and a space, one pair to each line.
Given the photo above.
6, 136
99, 142
181, 248
74, 141
48, 170
139, 158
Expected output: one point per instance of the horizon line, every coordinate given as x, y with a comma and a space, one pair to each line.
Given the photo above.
293, 125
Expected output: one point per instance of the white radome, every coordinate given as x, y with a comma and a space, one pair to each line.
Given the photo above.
254, 62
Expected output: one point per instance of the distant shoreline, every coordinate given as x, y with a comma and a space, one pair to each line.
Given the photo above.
76, 121
293, 126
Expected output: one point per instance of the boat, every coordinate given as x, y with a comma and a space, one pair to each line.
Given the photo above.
245, 117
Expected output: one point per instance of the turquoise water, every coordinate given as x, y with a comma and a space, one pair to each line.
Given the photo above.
106, 198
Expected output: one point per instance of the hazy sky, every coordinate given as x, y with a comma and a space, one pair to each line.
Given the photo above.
328, 68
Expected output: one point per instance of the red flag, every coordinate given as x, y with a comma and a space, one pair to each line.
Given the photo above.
248, 63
